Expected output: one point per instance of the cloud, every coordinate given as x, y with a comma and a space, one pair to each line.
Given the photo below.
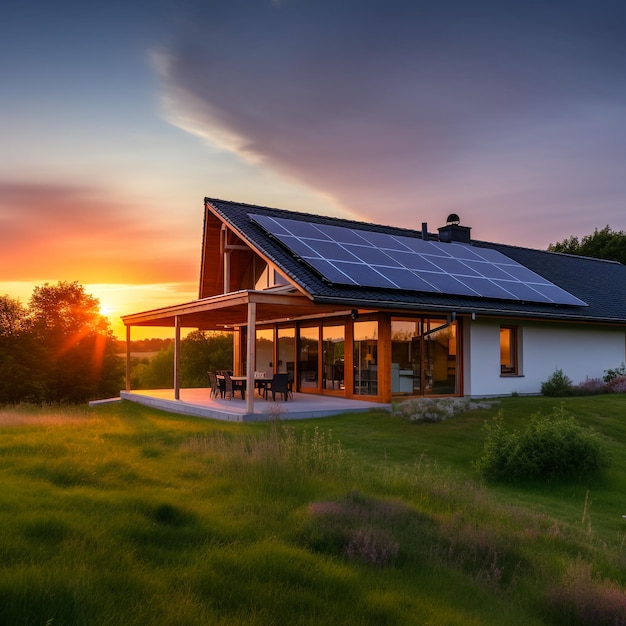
406, 111
88, 234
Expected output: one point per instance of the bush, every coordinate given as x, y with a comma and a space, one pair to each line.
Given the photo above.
557, 385
618, 372
617, 385
551, 446
590, 387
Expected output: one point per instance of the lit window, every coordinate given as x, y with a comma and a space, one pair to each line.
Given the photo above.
508, 350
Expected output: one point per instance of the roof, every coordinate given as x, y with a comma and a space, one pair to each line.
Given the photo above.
599, 283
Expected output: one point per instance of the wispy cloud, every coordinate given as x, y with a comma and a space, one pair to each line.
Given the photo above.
405, 111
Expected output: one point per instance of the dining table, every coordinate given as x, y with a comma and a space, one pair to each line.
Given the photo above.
240, 383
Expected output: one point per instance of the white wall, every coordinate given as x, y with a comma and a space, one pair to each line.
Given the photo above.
581, 351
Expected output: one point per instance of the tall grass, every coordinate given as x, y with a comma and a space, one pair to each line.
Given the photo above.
121, 514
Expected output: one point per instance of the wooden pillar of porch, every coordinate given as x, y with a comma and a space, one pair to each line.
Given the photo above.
128, 358
177, 358
251, 360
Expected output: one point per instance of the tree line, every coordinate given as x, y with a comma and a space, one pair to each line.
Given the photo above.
59, 348
602, 244
200, 353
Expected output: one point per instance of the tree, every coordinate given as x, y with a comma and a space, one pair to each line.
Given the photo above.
80, 360
157, 374
603, 244
200, 352
13, 317
19, 354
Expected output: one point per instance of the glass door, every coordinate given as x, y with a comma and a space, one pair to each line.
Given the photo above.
264, 352
365, 358
406, 376
286, 352
308, 357
334, 340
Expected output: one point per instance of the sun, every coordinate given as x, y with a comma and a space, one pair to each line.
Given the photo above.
106, 310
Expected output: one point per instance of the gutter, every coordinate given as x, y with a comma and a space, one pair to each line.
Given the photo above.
385, 304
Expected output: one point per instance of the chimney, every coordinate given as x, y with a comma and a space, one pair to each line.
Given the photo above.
425, 231
453, 231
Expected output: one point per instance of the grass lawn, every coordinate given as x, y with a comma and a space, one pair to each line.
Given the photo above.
121, 514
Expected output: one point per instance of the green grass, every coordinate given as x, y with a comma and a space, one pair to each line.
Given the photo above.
121, 514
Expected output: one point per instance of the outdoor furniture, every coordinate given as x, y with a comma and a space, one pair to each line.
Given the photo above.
279, 384
227, 383
215, 386
261, 382
232, 384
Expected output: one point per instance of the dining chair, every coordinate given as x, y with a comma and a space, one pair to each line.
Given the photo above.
215, 386
280, 384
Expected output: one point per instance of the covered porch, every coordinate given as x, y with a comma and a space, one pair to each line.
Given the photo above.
198, 402
245, 309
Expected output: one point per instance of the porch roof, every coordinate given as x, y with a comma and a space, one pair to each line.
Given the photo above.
230, 310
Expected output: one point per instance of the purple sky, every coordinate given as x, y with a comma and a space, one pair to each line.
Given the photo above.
118, 118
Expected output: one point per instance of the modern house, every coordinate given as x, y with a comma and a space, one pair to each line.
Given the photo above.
358, 310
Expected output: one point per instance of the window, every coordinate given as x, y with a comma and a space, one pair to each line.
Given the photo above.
509, 350
424, 356
267, 277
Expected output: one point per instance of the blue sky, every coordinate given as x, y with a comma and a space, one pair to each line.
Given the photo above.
119, 117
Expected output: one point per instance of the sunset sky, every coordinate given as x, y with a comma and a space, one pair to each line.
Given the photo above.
117, 118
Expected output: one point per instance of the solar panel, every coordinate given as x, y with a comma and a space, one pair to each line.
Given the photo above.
350, 256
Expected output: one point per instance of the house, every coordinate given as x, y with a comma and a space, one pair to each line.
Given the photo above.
358, 310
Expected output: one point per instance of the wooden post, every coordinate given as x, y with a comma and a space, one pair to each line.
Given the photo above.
128, 358
177, 358
251, 360
384, 359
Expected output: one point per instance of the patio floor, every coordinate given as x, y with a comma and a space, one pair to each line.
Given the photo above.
197, 402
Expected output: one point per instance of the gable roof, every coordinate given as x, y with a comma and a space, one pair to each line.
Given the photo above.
600, 284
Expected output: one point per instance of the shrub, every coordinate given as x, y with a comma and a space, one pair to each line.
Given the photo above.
586, 599
559, 384
589, 387
358, 527
610, 374
551, 446
617, 384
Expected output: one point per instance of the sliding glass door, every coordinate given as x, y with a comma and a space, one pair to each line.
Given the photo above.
308, 357
334, 340
365, 358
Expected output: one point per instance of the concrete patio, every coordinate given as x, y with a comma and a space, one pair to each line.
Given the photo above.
198, 402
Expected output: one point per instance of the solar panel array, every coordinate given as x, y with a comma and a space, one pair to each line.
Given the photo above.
349, 256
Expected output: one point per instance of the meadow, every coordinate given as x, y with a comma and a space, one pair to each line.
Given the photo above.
120, 514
